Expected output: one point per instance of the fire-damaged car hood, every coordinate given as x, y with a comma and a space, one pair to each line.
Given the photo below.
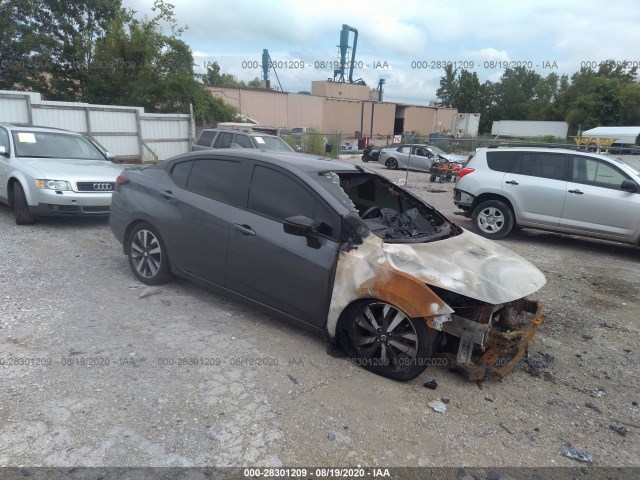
470, 265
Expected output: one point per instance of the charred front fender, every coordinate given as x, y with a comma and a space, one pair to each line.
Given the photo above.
364, 272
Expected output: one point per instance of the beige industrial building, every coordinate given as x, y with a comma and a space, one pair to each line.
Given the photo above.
331, 106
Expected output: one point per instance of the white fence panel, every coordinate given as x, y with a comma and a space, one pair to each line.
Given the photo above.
14, 110
126, 132
75, 120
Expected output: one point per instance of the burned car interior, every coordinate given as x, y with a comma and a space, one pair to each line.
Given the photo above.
387, 211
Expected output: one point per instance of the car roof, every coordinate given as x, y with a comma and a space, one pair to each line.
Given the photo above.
34, 128
573, 151
244, 130
293, 161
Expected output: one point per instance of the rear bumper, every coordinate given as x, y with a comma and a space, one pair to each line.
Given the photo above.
492, 348
462, 199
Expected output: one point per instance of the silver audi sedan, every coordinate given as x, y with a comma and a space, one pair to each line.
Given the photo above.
53, 172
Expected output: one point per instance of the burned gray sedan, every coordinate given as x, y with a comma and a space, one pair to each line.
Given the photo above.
334, 247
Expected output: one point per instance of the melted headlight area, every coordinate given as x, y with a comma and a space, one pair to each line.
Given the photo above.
482, 340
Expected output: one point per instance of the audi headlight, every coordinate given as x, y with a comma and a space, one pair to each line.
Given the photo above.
53, 184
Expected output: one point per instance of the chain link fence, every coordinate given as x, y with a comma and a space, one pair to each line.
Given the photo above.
315, 143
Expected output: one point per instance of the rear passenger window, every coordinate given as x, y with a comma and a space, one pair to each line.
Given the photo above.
206, 137
590, 171
213, 178
223, 140
502, 161
545, 165
180, 173
243, 141
275, 195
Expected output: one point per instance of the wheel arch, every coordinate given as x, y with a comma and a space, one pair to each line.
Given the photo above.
13, 179
483, 197
399, 289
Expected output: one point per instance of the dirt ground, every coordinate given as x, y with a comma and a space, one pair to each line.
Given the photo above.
119, 374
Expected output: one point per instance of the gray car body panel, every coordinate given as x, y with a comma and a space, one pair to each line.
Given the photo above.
314, 284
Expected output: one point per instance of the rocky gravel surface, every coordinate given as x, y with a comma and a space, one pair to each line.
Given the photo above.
97, 369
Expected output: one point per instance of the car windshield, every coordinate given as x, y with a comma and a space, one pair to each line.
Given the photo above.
436, 151
271, 143
54, 145
622, 162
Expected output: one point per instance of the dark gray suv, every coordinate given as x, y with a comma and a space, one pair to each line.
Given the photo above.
334, 247
240, 138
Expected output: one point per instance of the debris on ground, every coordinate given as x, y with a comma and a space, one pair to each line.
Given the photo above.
538, 363
576, 454
431, 385
293, 379
148, 292
593, 407
505, 428
438, 406
619, 429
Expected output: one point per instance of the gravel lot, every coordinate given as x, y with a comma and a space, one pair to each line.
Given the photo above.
126, 375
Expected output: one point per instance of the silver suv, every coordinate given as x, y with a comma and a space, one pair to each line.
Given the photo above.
560, 190
239, 138
49, 171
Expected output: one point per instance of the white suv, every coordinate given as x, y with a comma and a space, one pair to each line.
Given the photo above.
553, 189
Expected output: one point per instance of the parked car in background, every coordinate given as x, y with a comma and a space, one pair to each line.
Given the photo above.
334, 247
49, 171
239, 138
559, 190
422, 157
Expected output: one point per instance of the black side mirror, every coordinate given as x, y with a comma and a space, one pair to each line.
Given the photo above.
629, 186
302, 226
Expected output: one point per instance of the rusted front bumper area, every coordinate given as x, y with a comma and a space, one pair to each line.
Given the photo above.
493, 344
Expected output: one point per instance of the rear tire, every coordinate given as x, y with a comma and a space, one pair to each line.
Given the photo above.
493, 219
391, 164
432, 178
148, 255
20, 207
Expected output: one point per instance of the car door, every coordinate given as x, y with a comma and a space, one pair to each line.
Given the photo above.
402, 155
198, 213
283, 271
595, 203
537, 187
420, 159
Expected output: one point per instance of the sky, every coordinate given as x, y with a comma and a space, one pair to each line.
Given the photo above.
405, 42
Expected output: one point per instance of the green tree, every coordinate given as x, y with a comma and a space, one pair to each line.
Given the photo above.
21, 38
214, 76
70, 32
467, 96
448, 87
157, 69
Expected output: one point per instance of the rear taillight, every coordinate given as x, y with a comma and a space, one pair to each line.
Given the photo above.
120, 180
463, 172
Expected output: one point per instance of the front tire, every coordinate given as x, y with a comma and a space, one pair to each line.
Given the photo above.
493, 219
364, 159
384, 340
148, 255
20, 207
391, 164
